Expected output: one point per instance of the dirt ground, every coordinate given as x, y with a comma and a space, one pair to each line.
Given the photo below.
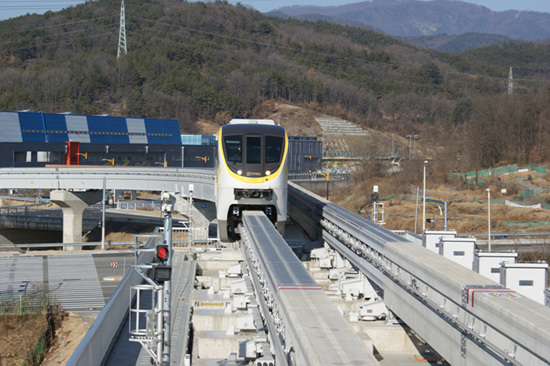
468, 216
25, 331
467, 211
68, 337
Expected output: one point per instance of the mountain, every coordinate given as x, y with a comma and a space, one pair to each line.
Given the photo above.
210, 62
415, 18
456, 43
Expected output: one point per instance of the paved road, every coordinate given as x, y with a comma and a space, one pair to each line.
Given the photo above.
81, 282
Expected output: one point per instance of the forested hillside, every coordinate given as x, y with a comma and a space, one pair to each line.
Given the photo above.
215, 61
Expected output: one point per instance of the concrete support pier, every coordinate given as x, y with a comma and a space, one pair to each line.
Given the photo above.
73, 205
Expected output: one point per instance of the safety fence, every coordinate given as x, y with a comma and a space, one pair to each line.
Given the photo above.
481, 176
525, 224
191, 237
47, 219
35, 356
24, 304
54, 212
34, 304
318, 176
139, 205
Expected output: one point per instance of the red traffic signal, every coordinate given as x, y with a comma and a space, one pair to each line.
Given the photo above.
162, 252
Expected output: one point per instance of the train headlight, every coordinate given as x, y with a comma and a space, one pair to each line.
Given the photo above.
239, 172
267, 172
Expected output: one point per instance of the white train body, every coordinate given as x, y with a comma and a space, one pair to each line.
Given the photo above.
251, 174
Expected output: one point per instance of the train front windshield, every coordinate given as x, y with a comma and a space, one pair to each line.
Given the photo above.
253, 155
233, 149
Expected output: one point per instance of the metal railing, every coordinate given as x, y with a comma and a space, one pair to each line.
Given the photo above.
139, 205
193, 238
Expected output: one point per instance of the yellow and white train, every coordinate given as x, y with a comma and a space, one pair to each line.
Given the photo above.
251, 174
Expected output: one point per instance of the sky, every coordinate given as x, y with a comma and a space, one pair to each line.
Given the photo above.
10, 9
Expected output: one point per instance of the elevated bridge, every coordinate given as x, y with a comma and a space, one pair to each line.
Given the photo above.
75, 188
118, 178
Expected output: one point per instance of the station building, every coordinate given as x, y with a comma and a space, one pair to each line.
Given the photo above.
36, 139
29, 139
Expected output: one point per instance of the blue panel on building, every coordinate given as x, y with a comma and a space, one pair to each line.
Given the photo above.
118, 130
172, 129
161, 131
56, 125
98, 127
154, 131
32, 127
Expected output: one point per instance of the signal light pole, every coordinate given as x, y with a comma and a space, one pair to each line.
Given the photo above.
489, 218
165, 251
424, 200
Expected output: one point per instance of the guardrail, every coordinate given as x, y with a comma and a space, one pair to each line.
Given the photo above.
432, 294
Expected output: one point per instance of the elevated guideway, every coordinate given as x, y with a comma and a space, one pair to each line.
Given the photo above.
467, 318
71, 185
119, 178
312, 330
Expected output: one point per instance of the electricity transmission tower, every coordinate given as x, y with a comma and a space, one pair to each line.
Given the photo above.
122, 33
510, 83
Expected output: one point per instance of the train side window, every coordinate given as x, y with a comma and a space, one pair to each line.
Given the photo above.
253, 150
233, 148
273, 148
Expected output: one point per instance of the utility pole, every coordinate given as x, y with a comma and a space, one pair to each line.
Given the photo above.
122, 33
